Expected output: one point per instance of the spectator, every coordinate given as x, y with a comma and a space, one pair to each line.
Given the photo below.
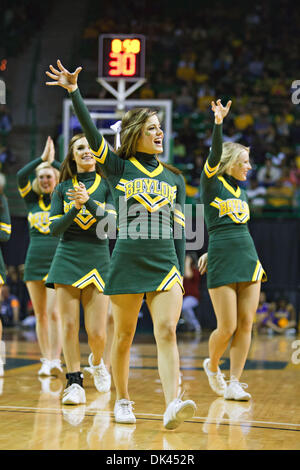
256, 194
283, 319
281, 194
268, 174
263, 313
10, 307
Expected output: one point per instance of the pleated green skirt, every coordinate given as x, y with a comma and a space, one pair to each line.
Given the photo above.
232, 257
40, 253
80, 263
139, 266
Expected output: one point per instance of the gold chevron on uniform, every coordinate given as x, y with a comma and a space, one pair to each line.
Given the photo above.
93, 277
143, 189
171, 278
210, 171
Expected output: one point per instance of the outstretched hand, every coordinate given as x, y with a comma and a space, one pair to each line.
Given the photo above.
63, 77
220, 111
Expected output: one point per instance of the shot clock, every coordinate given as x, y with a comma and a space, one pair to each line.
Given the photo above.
121, 56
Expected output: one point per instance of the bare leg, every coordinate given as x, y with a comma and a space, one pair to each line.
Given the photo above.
109, 338
68, 301
125, 308
224, 300
54, 321
248, 298
165, 308
95, 312
37, 292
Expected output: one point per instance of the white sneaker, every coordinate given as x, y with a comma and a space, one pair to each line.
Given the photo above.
123, 412
74, 395
215, 379
45, 369
102, 378
55, 367
177, 412
234, 391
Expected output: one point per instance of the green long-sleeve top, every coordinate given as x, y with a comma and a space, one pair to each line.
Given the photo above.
225, 202
142, 188
72, 223
5, 223
38, 205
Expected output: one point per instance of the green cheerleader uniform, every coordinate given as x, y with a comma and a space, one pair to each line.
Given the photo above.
232, 256
42, 245
5, 231
149, 199
82, 256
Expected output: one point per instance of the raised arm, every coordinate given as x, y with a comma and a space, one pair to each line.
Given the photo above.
212, 163
23, 174
5, 223
112, 164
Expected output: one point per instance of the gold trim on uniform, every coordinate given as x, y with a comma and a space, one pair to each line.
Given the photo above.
1, 280
93, 277
140, 167
101, 154
94, 186
235, 192
236, 209
5, 227
210, 171
259, 273
179, 217
53, 217
24, 191
170, 280
42, 204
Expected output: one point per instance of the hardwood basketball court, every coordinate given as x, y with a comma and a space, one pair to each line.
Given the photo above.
32, 417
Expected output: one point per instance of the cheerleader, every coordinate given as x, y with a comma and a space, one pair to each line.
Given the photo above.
80, 265
42, 246
234, 272
144, 261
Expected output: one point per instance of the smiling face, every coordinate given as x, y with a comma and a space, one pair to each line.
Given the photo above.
151, 138
241, 166
46, 180
83, 156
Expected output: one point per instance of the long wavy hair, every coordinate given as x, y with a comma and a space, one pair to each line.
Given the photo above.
68, 167
230, 153
132, 125
35, 183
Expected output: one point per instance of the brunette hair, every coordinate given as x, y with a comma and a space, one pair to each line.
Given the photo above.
132, 124
68, 167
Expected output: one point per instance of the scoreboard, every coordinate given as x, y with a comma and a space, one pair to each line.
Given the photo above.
121, 56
